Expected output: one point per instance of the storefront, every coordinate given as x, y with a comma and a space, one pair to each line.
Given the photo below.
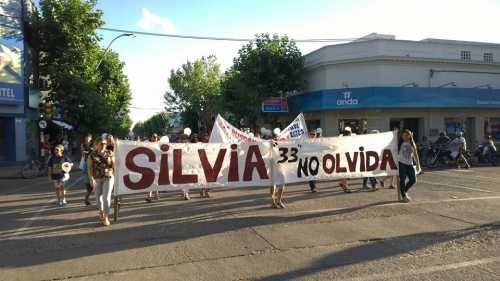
425, 111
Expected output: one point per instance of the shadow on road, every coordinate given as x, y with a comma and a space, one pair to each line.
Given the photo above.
377, 250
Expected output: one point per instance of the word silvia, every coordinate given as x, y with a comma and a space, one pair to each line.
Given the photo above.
211, 171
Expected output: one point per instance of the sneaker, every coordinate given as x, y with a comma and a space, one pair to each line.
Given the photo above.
186, 196
281, 205
87, 202
405, 200
408, 197
106, 222
60, 202
64, 201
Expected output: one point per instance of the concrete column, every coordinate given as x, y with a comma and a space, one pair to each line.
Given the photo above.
20, 135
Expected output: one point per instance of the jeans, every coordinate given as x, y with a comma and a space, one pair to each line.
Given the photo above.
406, 171
312, 185
103, 191
373, 181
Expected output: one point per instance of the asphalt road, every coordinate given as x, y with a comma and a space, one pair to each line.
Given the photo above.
450, 231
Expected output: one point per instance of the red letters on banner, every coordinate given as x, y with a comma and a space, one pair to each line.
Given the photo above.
147, 175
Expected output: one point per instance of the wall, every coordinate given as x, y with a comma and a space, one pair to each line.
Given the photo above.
391, 73
438, 50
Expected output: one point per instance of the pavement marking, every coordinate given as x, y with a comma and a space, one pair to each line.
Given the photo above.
455, 186
454, 174
426, 270
29, 221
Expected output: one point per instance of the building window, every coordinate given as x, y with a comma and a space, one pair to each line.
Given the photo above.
488, 57
465, 55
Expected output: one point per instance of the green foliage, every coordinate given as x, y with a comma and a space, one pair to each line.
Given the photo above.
196, 92
158, 123
267, 67
92, 99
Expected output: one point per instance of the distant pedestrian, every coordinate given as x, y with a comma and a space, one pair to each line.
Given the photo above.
85, 150
101, 165
459, 149
59, 166
407, 155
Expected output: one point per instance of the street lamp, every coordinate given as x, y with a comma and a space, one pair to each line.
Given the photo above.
453, 84
128, 34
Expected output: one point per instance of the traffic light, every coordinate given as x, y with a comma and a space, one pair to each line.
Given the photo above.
47, 110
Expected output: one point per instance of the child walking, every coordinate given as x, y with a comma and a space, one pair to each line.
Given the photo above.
59, 166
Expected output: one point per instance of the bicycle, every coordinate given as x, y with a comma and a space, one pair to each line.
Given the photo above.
35, 167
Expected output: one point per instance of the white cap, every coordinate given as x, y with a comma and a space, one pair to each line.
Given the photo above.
319, 131
348, 129
277, 131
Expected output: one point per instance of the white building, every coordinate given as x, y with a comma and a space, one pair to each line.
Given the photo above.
428, 86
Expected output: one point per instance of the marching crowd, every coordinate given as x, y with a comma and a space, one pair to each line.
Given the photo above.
98, 166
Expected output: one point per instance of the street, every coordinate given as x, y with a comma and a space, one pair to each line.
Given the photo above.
450, 231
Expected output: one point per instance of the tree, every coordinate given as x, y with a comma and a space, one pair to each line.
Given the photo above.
158, 123
267, 67
196, 92
63, 34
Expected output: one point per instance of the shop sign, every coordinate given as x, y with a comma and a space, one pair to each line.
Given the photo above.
275, 105
346, 98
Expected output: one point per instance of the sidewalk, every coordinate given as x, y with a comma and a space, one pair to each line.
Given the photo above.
10, 170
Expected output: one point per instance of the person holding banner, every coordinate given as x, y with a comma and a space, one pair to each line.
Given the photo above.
153, 195
185, 139
407, 155
343, 183
101, 165
314, 135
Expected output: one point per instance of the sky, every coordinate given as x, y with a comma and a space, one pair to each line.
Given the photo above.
149, 60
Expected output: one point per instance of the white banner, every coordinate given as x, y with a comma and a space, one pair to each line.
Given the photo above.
143, 167
224, 132
371, 155
296, 130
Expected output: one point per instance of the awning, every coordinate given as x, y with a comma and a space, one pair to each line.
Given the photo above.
63, 124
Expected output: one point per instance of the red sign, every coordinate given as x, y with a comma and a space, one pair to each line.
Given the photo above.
275, 105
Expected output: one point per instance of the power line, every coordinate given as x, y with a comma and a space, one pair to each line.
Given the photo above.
196, 37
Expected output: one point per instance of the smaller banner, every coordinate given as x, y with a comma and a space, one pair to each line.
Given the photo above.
143, 167
296, 130
224, 132
372, 155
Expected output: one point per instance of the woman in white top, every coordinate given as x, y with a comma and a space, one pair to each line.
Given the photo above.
407, 154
